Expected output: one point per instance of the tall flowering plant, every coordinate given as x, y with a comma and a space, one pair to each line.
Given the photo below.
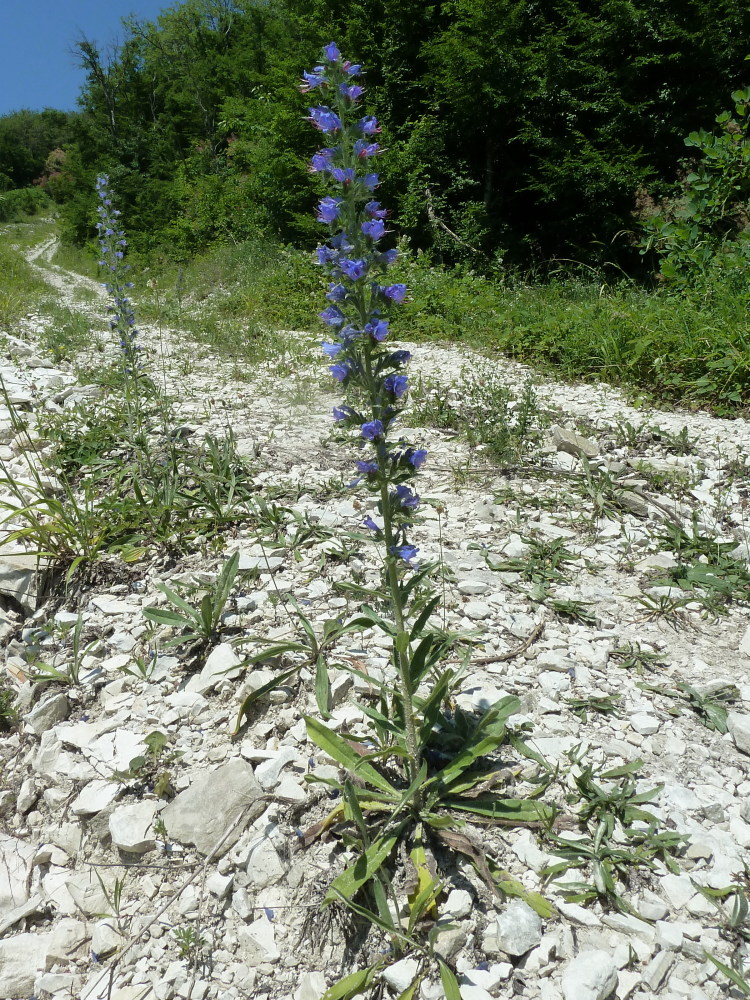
423, 768
112, 246
363, 362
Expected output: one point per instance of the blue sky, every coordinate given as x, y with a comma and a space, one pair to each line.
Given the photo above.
37, 66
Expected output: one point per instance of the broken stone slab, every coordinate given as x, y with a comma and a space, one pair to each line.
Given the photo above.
215, 800
131, 826
257, 943
592, 975
16, 858
94, 797
22, 958
222, 663
572, 443
53, 709
519, 929
24, 578
738, 724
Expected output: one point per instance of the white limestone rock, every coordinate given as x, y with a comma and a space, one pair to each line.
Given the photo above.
592, 975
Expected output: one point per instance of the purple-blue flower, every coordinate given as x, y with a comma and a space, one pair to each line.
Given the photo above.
352, 90
374, 210
416, 457
332, 316
339, 372
387, 257
369, 125
353, 269
370, 181
378, 330
372, 429
363, 149
342, 412
321, 160
371, 525
331, 350
312, 80
406, 498
374, 228
344, 175
325, 119
396, 384
369, 468
326, 255
396, 293
399, 357
331, 52
336, 292
329, 209
405, 552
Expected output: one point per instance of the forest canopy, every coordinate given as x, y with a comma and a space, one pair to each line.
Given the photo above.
517, 131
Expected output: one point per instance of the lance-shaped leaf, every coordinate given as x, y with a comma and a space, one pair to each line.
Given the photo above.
337, 748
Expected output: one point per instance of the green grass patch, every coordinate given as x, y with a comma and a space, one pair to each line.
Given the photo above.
680, 350
21, 287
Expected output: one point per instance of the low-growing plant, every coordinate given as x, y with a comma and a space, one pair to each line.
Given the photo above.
622, 836
9, 715
543, 564
484, 411
710, 706
70, 672
199, 624
190, 944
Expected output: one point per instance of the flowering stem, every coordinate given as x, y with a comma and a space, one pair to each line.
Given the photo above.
367, 368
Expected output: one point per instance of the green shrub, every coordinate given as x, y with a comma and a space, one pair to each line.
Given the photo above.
16, 205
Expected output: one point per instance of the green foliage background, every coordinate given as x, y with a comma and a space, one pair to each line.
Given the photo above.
517, 131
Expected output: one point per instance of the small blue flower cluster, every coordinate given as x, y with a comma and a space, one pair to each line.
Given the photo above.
359, 299
112, 244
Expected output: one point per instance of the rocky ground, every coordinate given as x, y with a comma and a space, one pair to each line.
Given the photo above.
189, 875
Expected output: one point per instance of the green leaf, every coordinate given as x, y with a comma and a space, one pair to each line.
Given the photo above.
322, 687
337, 748
351, 880
421, 622
258, 693
449, 981
207, 615
516, 811
411, 990
351, 985
733, 976
224, 585
163, 616
179, 602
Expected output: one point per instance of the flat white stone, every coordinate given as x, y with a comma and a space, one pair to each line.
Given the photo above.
592, 975
268, 773
477, 610
401, 974
131, 826
644, 723
22, 958
519, 928
94, 797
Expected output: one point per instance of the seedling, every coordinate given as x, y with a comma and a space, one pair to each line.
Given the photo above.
632, 657
622, 836
603, 704
190, 944
710, 707
197, 625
